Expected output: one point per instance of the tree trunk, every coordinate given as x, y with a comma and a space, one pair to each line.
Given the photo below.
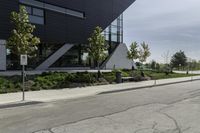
132, 69
99, 73
141, 70
133, 66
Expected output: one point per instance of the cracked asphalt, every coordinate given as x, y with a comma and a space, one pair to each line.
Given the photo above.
164, 109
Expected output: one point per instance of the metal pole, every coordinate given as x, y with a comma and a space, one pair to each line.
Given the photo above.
23, 83
155, 82
192, 74
192, 77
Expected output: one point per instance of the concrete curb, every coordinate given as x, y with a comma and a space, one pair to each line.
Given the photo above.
18, 104
99, 91
148, 86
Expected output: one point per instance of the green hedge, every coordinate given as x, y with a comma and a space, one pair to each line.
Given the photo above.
7, 86
61, 80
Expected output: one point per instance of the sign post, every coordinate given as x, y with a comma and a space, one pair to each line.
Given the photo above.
23, 62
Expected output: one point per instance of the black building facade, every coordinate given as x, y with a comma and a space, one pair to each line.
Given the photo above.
60, 22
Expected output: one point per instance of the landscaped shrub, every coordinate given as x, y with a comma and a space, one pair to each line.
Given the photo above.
53, 80
84, 78
110, 77
56, 80
7, 86
62, 80
3, 85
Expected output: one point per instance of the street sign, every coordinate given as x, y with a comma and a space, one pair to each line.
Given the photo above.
23, 60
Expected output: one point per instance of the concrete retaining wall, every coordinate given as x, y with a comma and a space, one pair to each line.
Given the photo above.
118, 59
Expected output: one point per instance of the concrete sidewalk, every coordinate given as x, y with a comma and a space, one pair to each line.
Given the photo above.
52, 95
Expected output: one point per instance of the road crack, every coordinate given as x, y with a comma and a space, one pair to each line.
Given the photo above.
174, 120
168, 105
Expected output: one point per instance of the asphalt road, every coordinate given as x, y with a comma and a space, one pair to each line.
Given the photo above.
164, 109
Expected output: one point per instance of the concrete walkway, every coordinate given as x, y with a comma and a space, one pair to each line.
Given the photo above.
190, 72
53, 95
68, 70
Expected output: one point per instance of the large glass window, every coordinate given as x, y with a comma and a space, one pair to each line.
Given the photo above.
77, 56
114, 32
36, 15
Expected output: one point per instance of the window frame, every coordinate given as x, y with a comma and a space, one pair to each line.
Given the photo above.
35, 15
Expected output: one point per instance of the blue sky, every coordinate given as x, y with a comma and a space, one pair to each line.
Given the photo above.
166, 25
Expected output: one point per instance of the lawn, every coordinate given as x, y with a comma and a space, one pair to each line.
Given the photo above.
162, 75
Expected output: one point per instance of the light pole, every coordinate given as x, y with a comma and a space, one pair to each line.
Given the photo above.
155, 78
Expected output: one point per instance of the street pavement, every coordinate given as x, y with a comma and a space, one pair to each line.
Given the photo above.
172, 108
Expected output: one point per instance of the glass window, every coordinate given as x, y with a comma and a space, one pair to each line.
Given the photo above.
114, 22
38, 12
36, 15
28, 9
36, 19
114, 30
114, 38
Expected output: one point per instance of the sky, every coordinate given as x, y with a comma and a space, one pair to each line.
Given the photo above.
166, 25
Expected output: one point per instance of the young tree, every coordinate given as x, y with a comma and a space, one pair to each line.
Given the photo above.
22, 41
132, 54
144, 52
157, 66
179, 59
97, 47
166, 56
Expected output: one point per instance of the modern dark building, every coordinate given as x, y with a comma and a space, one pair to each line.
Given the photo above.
64, 27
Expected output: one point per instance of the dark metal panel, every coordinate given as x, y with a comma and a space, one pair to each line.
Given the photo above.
75, 30
6, 7
71, 4
60, 28
55, 27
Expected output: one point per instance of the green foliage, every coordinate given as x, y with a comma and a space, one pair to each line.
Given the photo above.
22, 41
66, 80
97, 46
110, 77
62, 80
157, 66
132, 54
162, 75
153, 65
84, 78
193, 65
144, 52
8, 85
179, 59
53, 80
